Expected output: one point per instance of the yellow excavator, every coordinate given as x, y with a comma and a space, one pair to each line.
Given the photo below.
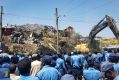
107, 21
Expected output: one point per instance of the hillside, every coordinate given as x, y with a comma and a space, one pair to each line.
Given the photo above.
46, 43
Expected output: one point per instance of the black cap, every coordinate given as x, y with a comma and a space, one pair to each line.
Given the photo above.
46, 59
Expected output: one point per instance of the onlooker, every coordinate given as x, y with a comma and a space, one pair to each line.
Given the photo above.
4, 74
68, 76
117, 78
6, 61
4, 68
91, 73
14, 59
75, 67
35, 65
65, 56
48, 72
12, 68
24, 67
1, 61
76, 63
109, 72
75, 60
116, 64
60, 65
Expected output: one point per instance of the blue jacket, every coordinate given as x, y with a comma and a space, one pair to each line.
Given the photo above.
28, 78
91, 74
75, 61
48, 73
4, 74
116, 68
60, 65
117, 78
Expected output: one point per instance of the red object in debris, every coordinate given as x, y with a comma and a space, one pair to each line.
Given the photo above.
7, 31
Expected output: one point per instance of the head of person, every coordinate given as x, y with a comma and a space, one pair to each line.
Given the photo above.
53, 63
109, 51
54, 57
12, 68
6, 59
109, 71
1, 60
68, 62
24, 66
59, 55
21, 55
90, 62
14, 59
35, 57
110, 74
78, 52
116, 58
39, 57
113, 58
46, 60
117, 50
71, 53
95, 52
75, 53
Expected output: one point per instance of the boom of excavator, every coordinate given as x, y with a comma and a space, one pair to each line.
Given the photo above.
107, 21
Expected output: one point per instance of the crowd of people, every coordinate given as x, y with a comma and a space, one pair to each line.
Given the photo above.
62, 66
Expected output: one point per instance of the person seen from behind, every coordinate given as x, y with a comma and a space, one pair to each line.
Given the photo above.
24, 67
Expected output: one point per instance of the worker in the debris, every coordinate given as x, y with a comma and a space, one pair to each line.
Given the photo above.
20, 38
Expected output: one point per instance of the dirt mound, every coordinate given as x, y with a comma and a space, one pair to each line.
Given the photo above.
27, 47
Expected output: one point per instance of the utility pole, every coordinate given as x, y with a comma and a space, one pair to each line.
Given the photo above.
1, 14
57, 30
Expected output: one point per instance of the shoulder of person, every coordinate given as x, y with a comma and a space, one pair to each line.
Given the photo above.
116, 78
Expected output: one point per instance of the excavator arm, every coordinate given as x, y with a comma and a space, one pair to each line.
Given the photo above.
107, 21
112, 26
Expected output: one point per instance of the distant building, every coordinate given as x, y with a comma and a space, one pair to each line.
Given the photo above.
7, 30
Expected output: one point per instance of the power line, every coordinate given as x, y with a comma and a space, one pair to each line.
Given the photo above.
102, 5
75, 7
78, 21
68, 3
94, 8
74, 20
29, 17
99, 6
